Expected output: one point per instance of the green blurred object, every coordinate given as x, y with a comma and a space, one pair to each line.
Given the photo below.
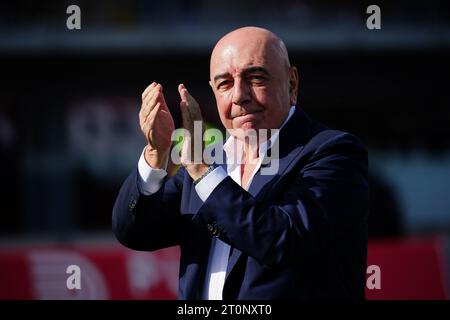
211, 135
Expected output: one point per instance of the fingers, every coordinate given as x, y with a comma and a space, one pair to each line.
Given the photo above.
189, 102
185, 116
152, 114
149, 102
150, 105
151, 93
147, 90
184, 106
148, 123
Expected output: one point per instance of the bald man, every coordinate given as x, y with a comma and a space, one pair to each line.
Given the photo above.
297, 233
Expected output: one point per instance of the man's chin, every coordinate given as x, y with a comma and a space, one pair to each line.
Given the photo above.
249, 126
245, 131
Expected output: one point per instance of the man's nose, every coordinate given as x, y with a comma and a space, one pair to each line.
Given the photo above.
241, 92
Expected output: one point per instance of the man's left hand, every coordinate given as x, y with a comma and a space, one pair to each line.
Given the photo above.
192, 150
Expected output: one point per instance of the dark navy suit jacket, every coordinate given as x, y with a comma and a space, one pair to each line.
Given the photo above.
322, 173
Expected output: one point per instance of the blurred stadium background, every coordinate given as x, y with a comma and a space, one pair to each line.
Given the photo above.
69, 131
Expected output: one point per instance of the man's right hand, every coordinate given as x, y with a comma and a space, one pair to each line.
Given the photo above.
157, 125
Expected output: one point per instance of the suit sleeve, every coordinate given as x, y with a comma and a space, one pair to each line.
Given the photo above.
330, 189
148, 222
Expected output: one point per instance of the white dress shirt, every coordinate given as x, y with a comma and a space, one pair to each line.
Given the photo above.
151, 180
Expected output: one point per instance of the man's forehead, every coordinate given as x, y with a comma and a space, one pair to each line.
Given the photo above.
234, 60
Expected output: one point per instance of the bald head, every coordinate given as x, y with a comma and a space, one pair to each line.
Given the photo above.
261, 39
252, 79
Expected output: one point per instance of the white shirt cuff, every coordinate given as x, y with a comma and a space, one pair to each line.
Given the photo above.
207, 185
150, 179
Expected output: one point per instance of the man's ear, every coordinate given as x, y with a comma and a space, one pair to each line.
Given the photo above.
293, 85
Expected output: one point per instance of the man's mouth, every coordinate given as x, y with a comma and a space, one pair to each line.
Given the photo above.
248, 118
248, 114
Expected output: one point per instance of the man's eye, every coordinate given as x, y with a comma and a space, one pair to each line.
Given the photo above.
224, 84
257, 79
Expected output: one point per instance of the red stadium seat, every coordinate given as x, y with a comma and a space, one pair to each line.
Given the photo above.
410, 269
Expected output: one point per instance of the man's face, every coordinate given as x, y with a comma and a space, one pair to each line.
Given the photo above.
253, 85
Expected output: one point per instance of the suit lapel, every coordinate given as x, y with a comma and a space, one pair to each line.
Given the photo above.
291, 140
289, 144
261, 181
256, 190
